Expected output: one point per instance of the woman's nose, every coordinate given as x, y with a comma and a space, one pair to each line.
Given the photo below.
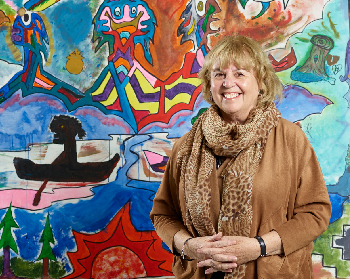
229, 80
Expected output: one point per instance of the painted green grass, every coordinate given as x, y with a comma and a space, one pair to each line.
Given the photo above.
34, 270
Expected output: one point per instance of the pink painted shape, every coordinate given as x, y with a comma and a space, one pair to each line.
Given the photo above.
12, 5
41, 98
151, 79
112, 121
42, 83
126, 16
144, 17
9, 102
22, 198
153, 158
200, 57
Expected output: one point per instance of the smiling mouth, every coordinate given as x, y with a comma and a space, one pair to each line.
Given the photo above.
229, 95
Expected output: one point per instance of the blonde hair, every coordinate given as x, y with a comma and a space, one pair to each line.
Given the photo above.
245, 54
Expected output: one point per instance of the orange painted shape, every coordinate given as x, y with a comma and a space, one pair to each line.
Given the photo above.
43, 78
123, 40
130, 29
29, 35
35, 84
122, 61
162, 167
38, 24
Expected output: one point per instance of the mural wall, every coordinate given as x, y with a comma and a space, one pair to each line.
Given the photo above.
93, 95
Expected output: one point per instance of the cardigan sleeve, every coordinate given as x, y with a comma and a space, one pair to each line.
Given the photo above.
311, 210
166, 214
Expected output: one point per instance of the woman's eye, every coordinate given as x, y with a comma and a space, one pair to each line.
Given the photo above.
219, 75
133, 10
117, 12
239, 74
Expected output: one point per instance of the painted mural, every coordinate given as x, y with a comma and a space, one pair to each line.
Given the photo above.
93, 95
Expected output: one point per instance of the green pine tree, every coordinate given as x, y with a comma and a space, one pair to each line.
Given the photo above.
7, 242
46, 250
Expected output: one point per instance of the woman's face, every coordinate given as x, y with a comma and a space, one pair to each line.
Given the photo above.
235, 91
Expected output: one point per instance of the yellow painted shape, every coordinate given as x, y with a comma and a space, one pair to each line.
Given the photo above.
179, 98
191, 29
44, 5
193, 81
102, 86
144, 84
152, 107
111, 98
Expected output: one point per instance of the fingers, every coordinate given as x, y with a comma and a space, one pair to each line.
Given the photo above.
215, 237
217, 266
218, 244
224, 258
219, 247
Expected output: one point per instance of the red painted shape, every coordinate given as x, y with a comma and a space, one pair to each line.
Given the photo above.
120, 232
285, 63
70, 95
163, 116
140, 114
187, 22
25, 74
115, 106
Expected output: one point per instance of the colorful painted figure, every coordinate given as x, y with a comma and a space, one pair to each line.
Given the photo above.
29, 32
265, 4
125, 87
313, 70
197, 16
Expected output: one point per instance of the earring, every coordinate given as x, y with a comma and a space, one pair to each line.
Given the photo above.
260, 92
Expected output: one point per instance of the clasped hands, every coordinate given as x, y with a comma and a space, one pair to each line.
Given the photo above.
222, 253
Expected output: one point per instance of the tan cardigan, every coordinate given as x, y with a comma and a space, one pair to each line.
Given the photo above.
289, 196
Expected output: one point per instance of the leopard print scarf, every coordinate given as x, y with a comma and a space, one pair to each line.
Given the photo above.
211, 136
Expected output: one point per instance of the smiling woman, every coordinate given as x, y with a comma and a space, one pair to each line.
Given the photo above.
245, 54
242, 195
235, 91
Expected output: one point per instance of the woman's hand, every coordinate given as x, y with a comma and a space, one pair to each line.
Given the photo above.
216, 241
244, 250
191, 247
225, 258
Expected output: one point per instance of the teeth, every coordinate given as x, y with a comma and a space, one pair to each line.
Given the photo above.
230, 95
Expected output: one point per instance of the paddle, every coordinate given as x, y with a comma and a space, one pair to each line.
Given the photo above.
37, 196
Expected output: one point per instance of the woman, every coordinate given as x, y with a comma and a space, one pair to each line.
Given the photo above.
243, 195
